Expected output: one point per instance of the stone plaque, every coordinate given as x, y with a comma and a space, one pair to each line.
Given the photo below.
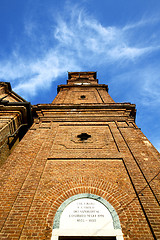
86, 213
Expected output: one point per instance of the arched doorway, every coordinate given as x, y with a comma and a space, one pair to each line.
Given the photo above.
86, 217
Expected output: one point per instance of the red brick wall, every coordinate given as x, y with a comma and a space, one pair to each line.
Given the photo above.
51, 164
9, 123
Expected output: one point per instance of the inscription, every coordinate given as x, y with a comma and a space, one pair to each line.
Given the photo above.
86, 213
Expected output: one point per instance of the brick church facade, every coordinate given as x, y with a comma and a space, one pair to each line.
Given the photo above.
78, 168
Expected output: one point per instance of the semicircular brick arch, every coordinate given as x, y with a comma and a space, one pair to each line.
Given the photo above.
46, 203
110, 192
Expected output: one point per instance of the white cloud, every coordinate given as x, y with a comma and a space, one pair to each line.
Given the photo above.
44, 71
151, 86
126, 52
141, 23
141, 84
158, 146
78, 41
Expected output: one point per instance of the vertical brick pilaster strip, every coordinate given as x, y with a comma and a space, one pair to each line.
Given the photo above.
23, 202
140, 184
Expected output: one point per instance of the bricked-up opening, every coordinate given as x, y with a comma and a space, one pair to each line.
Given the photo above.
86, 238
83, 96
83, 136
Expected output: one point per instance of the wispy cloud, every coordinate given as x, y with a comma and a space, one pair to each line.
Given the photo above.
140, 85
78, 41
142, 23
151, 86
44, 71
89, 36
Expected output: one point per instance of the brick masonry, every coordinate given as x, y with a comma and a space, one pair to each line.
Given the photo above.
13, 120
51, 164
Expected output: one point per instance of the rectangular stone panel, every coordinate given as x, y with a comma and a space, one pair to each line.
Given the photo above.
69, 141
83, 96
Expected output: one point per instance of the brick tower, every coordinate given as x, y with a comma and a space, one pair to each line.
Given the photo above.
83, 171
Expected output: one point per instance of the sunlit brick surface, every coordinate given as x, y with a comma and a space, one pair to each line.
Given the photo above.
51, 164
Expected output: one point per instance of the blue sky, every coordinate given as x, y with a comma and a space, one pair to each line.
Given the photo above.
120, 39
